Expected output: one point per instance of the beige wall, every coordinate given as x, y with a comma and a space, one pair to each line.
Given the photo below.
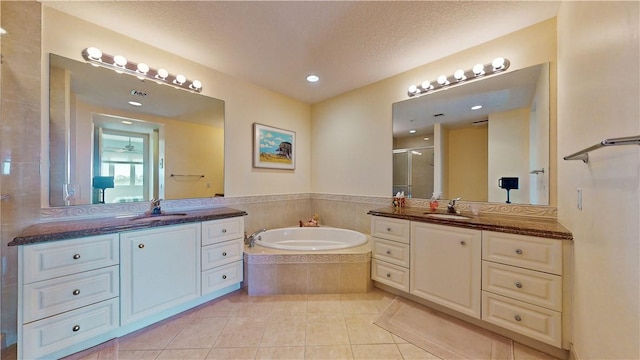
467, 163
509, 154
244, 103
598, 92
351, 133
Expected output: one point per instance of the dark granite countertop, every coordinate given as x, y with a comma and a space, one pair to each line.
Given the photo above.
60, 230
521, 225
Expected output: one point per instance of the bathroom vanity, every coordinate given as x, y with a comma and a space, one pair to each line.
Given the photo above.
84, 282
500, 271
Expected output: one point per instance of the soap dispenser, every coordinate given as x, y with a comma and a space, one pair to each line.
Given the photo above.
433, 203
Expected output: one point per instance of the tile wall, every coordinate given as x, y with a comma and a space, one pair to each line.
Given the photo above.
19, 141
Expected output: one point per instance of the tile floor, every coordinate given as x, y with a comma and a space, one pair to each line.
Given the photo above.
238, 326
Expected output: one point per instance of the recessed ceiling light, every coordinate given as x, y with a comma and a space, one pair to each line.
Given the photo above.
426, 139
135, 103
476, 107
3, 31
312, 78
126, 122
412, 131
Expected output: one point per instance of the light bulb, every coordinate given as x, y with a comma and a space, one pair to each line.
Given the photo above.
119, 60
442, 80
196, 85
478, 70
162, 74
413, 89
427, 85
313, 78
143, 68
459, 75
94, 53
180, 79
498, 64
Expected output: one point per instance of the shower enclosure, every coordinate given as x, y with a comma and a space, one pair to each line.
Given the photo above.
413, 172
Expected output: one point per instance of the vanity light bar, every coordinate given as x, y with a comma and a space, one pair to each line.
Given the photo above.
120, 64
498, 65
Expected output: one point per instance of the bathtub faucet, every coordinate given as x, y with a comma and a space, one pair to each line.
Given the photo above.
251, 239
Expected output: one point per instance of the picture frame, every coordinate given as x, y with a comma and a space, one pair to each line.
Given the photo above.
273, 148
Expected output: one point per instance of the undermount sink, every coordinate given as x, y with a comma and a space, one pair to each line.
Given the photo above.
163, 216
448, 216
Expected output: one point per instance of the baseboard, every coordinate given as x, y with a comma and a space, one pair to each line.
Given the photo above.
573, 354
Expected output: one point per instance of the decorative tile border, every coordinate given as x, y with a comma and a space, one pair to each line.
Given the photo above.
89, 211
306, 258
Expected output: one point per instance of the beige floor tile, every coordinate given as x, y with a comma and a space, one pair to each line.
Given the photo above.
285, 331
378, 351
221, 308
412, 352
281, 352
183, 354
138, 354
155, 337
329, 330
253, 309
232, 353
289, 308
199, 333
398, 340
362, 330
241, 332
324, 307
335, 352
357, 307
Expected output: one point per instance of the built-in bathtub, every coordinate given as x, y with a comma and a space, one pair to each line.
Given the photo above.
325, 261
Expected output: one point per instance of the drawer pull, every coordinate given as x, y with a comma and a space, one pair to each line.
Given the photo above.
517, 318
224, 231
389, 229
519, 251
518, 284
141, 246
224, 277
76, 292
224, 253
463, 243
388, 252
76, 328
389, 275
76, 256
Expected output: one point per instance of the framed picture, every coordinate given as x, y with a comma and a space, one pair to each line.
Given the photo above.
273, 148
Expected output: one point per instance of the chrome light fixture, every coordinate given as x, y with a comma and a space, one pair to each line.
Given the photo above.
142, 71
498, 65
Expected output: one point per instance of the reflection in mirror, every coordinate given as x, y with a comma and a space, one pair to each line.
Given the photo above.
150, 140
444, 144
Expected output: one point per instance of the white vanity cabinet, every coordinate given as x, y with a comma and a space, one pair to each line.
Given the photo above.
159, 270
446, 267
390, 252
522, 285
222, 248
69, 293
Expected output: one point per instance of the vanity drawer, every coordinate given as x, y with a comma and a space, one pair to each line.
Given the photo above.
216, 231
389, 274
61, 331
530, 320
390, 229
391, 251
529, 252
221, 277
534, 287
54, 296
221, 253
54, 259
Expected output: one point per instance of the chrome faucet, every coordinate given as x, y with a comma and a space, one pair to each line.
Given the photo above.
451, 207
251, 239
154, 207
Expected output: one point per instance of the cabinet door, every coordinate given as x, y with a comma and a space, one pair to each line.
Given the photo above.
446, 266
159, 269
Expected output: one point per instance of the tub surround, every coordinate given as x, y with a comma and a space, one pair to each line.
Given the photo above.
521, 225
61, 230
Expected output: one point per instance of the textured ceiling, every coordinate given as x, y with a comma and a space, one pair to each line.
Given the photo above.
276, 44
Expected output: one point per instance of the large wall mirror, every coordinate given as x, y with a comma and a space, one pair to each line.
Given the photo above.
486, 140
115, 138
